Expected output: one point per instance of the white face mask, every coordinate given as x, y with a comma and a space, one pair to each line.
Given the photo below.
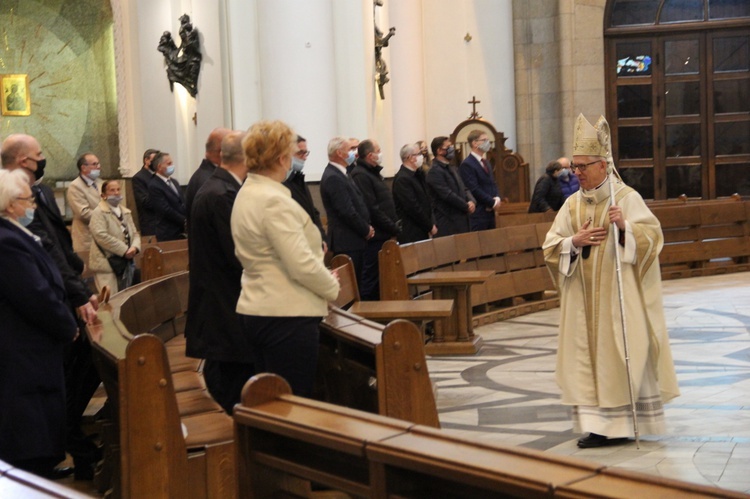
420, 160
485, 146
379, 159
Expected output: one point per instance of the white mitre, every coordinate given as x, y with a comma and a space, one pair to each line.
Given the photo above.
591, 140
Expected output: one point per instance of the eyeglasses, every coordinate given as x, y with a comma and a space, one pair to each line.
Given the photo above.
581, 167
303, 154
31, 199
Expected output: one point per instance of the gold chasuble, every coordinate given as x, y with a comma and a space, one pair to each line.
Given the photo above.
591, 370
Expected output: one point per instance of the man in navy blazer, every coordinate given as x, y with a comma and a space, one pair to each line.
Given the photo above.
167, 200
349, 226
476, 172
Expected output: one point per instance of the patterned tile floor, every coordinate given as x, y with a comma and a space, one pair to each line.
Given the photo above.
507, 393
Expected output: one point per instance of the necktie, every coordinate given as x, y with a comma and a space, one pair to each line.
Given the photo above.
486, 166
171, 184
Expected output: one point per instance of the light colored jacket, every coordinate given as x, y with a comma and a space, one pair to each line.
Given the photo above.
83, 200
106, 230
280, 250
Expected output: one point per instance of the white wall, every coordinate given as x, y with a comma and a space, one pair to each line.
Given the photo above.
311, 63
456, 69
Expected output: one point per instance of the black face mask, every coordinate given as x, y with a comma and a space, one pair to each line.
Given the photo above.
450, 153
39, 173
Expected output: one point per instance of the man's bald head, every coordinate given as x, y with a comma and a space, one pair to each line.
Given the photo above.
233, 154
213, 144
16, 147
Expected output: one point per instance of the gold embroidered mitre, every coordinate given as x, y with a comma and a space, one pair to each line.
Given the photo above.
591, 140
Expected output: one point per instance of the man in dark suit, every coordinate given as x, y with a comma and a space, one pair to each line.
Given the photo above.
206, 168
452, 202
476, 172
410, 195
213, 331
379, 202
167, 200
349, 226
300, 192
81, 377
146, 216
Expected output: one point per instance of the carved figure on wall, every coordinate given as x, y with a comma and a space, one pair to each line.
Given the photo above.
380, 42
184, 62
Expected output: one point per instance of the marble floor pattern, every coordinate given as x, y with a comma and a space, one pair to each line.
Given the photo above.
507, 393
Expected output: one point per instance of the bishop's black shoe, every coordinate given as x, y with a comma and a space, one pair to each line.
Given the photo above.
593, 440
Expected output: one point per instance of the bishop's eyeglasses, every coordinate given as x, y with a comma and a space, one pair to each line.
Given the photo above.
581, 167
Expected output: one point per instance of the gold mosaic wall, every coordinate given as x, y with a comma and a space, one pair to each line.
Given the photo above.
66, 48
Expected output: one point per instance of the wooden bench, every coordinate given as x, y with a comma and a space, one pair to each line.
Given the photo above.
285, 442
155, 261
15, 482
162, 416
375, 368
417, 311
516, 278
706, 238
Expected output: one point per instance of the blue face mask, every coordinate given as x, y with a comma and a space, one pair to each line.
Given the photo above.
170, 170
94, 174
27, 217
350, 159
297, 164
564, 173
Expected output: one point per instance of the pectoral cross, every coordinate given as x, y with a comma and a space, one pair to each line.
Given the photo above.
474, 102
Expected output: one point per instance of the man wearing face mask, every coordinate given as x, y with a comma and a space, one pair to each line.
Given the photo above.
379, 202
547, 193
476, 172
569, 183
81, 379
300, 192
410, 195
113, 234
349, 226
167, 200
83, 197
452, 201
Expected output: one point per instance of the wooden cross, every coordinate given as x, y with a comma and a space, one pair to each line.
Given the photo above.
474, 102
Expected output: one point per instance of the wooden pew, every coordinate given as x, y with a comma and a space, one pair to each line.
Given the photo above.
284, 442
157, 394
417, 311
513, 219
375, 368
15, 482
705, 238
516, 278
155, 262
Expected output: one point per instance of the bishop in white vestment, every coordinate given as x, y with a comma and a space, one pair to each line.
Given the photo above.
580, 252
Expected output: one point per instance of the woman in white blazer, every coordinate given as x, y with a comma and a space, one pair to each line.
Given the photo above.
285, 284
113, 232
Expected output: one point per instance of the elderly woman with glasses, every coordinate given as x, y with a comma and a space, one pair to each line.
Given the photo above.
35, 327
285, 285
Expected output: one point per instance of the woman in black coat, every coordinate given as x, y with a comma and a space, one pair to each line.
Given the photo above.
547, 191
35, 327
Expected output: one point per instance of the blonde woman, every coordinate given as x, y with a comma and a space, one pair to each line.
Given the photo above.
285, 285
115, 241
